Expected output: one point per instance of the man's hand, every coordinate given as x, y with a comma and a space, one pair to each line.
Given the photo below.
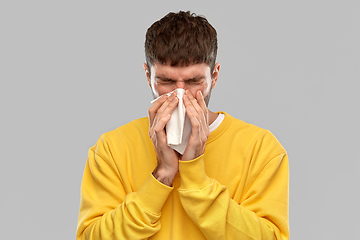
199, 117
168, 159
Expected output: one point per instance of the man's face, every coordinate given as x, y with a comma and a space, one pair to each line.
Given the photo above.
195, 77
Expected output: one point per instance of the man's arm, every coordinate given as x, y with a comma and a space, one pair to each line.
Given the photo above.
108, 209
262, 215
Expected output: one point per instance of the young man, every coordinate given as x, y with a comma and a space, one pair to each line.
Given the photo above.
230, 182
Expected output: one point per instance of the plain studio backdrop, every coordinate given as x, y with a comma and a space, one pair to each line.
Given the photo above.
72, 70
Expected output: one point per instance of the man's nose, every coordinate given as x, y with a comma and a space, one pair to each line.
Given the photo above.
180, 84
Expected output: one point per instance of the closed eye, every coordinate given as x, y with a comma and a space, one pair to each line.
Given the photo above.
167, 81
195, 81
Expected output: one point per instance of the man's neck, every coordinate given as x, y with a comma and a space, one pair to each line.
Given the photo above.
212, 117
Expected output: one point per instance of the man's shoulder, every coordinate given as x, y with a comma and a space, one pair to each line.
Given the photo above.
127, 132
140, 124
254, 134
242, 124
237, 125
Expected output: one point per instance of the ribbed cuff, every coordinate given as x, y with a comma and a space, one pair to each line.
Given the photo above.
152, 194
192, 174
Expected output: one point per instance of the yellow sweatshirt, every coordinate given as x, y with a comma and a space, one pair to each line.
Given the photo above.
238, 189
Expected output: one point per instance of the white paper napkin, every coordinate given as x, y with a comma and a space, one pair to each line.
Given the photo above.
178, 129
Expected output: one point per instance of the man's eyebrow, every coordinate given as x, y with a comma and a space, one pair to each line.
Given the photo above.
196, 78
163, 78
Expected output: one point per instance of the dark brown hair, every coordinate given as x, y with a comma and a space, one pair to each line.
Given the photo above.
181, 39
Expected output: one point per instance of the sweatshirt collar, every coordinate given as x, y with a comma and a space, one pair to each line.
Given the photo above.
221, 129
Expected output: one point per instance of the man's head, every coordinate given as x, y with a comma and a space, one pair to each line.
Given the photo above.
174, 44
181, 39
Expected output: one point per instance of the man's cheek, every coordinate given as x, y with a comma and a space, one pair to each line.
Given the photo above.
159, 90
206, 91
153, 89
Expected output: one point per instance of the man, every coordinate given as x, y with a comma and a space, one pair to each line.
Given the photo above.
231, 181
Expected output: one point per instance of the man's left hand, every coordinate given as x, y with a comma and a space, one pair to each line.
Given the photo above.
199, 117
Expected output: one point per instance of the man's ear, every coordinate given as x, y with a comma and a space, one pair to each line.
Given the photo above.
147, 74
215, 75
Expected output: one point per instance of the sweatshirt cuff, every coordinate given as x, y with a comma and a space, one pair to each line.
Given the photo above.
152, 194
192, 174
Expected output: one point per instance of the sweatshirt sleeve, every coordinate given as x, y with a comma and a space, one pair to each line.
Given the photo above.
107, 212
263, 215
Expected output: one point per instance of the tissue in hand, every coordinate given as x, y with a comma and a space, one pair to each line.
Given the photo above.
178, 129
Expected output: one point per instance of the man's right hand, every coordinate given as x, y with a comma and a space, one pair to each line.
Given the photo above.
168, 159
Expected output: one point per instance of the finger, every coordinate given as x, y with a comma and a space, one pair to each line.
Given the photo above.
191, 112
193, 101
198, 118
188, 106
201, 101
160, 105
166, 108
154, 108
202, 104
169, 106
196, 105
159, 129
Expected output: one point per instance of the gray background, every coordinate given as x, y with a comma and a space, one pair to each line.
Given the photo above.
72, 70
